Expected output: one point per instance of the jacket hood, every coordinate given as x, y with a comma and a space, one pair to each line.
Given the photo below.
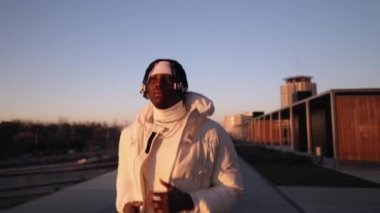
194, 102
199, 102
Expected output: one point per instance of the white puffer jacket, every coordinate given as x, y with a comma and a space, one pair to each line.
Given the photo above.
205, 165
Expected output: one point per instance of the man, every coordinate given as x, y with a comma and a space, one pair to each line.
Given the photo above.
173, 158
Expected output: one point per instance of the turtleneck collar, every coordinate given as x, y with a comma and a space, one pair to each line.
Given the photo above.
170, 115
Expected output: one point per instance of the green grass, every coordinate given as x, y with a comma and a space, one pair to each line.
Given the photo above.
289, 169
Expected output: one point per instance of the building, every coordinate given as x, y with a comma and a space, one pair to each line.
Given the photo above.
340, 125
237, 125
297, 88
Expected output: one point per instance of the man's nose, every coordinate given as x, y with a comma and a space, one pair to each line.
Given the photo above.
160, 83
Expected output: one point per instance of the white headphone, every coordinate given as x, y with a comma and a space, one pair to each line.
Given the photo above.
177, 86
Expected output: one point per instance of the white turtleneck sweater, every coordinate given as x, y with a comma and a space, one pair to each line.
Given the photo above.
169, 123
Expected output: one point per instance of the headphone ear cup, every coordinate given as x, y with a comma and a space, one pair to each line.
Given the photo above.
179, 86
143, 91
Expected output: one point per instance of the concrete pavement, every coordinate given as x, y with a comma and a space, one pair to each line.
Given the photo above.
98, 196
334, 199
372, 175
261, 196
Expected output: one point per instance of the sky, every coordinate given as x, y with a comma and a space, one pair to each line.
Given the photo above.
85, 60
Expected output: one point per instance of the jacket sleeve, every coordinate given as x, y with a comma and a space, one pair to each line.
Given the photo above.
122, 181
227, 183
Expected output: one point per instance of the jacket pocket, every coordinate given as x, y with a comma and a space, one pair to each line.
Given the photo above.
194, 165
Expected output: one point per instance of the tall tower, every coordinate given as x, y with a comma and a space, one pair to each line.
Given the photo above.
296, 88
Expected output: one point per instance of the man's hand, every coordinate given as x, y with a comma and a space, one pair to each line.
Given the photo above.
133, 207
171, 201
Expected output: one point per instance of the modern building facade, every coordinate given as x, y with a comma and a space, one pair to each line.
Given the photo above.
340, 124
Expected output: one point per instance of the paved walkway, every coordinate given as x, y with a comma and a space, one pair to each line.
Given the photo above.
98, 196
334, 199
261, 196
94, 196
367, 174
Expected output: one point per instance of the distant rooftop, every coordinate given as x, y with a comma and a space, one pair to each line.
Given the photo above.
298, 78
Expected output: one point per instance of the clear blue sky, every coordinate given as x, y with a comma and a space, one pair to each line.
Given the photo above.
84, 60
